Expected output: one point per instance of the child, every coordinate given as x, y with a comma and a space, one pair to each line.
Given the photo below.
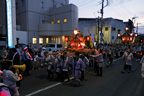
9, 78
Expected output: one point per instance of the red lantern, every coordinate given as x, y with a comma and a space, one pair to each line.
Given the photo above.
130, 39
131, 34
103, 51
123, 39
66, 39
87, 38
141, 53
119, 35
136, 35
81, 38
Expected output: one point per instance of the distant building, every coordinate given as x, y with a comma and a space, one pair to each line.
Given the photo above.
46, 21
111, 28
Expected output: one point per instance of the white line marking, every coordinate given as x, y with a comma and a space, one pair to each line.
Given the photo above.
117, 59
46, 88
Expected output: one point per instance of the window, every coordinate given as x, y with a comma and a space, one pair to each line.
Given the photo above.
113, 29
47, 40
106, 28
65, 20
23, 3
112, 37
52, 22
40, 40
34, 40
50, 45
119, 31
59, 45
16, 5
58, 21
42, 4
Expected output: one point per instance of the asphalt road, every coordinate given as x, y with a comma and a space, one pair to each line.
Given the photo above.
113, 83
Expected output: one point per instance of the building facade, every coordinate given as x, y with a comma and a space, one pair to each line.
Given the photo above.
111, 28
44, 21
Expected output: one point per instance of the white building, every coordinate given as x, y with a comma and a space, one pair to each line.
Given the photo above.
111, 28
45, 21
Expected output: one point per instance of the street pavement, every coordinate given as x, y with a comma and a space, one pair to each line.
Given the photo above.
113, 83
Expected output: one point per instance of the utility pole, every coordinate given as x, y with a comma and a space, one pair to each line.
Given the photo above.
102, 9
102, 18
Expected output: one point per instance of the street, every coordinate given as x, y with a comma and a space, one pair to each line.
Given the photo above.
113, 83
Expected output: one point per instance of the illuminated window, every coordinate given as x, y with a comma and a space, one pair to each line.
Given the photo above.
58, 21
65, 20
47, 40
52, 22
40, 40
34, 40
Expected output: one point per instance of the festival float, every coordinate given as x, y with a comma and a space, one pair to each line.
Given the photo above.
77, 42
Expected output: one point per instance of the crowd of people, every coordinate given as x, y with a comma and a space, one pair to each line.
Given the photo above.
65, 63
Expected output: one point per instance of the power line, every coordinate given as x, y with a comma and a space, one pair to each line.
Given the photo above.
82, 2
127, 9
118, 13
84, 10
86, 3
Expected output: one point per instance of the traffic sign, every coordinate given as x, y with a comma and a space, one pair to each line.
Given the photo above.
92, 35
102, 39
101, 34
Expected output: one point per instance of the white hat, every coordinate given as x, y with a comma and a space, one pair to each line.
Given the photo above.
43, 48
25, 48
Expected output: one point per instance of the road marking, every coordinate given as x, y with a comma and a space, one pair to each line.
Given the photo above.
46, 88
117, 59
51, 86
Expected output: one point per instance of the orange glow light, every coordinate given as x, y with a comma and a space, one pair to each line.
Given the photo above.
141, 53
87, 38
66, 39
81, 38
131, 34
127, 29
